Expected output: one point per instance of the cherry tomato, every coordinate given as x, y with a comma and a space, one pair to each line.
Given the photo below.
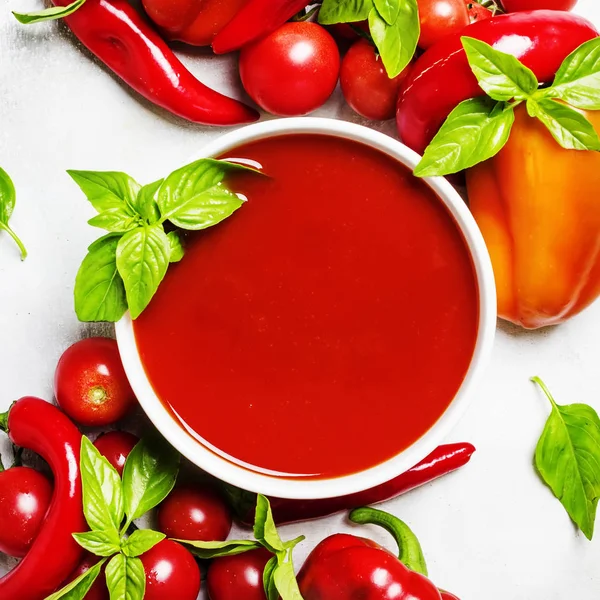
25, 495
439, 18
477, 12
238, 577
115, 446
171, 572
90, 383
347, 31
194, 513
520, 5
99, 590
293, 70
366, 85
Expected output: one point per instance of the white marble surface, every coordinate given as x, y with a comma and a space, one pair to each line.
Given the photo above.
490, 532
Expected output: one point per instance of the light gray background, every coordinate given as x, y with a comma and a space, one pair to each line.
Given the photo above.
490, 532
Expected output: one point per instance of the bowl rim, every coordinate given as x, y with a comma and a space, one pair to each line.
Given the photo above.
284, 487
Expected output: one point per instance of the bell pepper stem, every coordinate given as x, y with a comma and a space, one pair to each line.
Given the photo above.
410, 552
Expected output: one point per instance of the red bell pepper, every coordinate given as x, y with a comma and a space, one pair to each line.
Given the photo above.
255, 20
441, 78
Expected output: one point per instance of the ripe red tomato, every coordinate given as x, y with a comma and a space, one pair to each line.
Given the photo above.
366, 85
25, 496
238, 577
293, 70
99, 590
477, 12
90, 383
440, 18
171, 572
520, 5
115, 446
194, 513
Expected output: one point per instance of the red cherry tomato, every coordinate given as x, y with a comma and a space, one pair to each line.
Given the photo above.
25, 495
98, 591
171, 572
520, 5
347, 31
366, 85
293, 70
90, 383
238, 577
194, 513
115, 446
439, 18
477, 12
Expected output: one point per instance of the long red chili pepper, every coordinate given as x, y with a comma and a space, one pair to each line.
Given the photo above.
441, 78
118, 35
255, 20
35, 424
442, 460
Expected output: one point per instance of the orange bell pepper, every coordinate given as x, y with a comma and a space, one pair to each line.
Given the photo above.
538, 207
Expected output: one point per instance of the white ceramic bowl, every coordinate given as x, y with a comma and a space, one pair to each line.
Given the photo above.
281, 487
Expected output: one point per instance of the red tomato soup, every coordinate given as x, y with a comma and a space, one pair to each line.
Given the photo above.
327, 324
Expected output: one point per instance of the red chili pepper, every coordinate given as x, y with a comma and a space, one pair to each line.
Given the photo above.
117, 34
442, 460
441, 78
35, 424
255, 20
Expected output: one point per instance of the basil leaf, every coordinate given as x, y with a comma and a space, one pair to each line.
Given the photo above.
145, 202
176, 250
194, 196
396, 43
100, 543
474, 131
141, 541
78, 588
567, 457
388, 9
344, 11
106, 189
285, 580
142, 261
102, 497
125, 578
48, 14
567, 126
8, 197
117, 220
268, 579
99, 290
265, 530
577, 82
501, 76
208, 550
148, 476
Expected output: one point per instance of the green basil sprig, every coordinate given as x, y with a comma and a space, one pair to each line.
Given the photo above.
48, 14
393, 24
110, 505
124, 268
567, 457
8, 197
478, 128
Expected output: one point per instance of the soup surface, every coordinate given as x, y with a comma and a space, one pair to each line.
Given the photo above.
327, 324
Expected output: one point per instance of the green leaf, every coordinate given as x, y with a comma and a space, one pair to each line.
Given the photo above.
285, 579
100, 543
106, 189
344, 11
142, 261
396, 43
567, 457
176, 247
208, 550
48, 14
194, 197
500, 75
269, 581
265, 530
78, 588
148, 476
474, 131
145, 202
99, 290
116, 220
567, 126
577, 82
388, 9
125, 578
102, 496
8, 197
141, 541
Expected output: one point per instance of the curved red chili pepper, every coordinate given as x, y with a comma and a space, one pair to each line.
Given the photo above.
441, 78
119, 36
35, 424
